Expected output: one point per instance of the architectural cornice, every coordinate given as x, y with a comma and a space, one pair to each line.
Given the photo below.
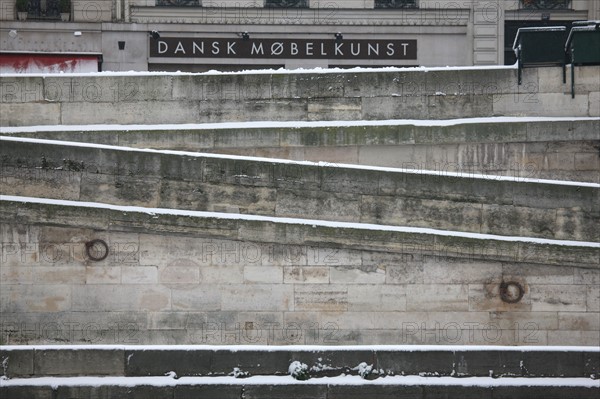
307, 16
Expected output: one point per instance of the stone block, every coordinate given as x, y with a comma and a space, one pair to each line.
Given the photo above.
111, 297
525, 323
103, 275
113, 391
405, 107
539, 104
587, 161
300, 391
48, 362
318, 204
100, 89
16, 274
36, 298
591, 362
594, 104
216, 391
413, 363
547, 298
319, 297
437, 297
251, 110
573, 338
159, 362
121, 190
320, 109
28, 392
306, 275
357, 275
482, 363
552, 364
262, 274
255, 363
332, 257
463, 392
257, 297
197, 297
180, 271
586, 276
147, 112
17, 363
168, 320
459, 271
378, 391
589, 321
213, 87
39, 113
40, 183
593, 298
74, 274
538, 274
351, 181
25, 89
139, 275
371, 297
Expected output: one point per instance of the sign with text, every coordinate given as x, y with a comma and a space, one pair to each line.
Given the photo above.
186, 47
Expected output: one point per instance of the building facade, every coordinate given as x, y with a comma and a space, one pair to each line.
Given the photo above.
199, 35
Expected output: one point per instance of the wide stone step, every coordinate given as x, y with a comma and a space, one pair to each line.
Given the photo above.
346, 193
547, 148
322, 361
435, 93
264, 388
205, 372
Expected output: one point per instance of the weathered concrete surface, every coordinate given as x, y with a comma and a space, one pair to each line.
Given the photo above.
410, 94
564, 150
206, 183
179, 279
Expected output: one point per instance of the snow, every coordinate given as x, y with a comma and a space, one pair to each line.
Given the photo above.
297, 221
298, 370
469, 174
168, 381
288, 124
275, 71
310, 348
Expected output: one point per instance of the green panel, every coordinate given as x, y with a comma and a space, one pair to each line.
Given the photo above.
585, 47
541, 47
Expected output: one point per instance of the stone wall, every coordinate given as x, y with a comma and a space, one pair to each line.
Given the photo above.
172, 279
179, 276
557, 149
183, 98
512, 207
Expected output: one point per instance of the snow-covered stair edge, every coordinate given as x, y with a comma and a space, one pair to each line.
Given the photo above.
290, 124
314, 361
158, 381
155, 212
311, 348
322, 164
271, 71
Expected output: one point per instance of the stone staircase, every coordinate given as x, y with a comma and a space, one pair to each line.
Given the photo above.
167, 249
333, 372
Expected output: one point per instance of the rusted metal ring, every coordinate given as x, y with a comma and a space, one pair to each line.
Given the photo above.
511, 292
93, 254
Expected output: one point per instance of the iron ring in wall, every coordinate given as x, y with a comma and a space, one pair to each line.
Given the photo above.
511, 292
96, 249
